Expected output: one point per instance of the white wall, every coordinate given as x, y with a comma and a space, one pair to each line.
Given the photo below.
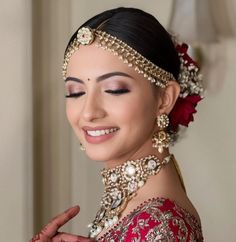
16, 121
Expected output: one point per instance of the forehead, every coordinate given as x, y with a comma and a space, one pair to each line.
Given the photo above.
94, 61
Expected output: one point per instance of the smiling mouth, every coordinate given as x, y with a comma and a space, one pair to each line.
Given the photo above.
101, 132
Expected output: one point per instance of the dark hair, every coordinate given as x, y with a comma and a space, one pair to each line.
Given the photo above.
141, 31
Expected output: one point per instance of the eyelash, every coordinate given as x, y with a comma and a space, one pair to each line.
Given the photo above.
74, 95
114, 92
118, 91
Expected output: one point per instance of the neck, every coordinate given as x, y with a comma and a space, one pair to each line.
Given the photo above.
145, 150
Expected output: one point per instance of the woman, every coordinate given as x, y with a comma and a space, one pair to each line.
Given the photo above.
129, 88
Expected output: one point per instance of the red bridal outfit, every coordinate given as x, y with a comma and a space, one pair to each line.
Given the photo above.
157, 219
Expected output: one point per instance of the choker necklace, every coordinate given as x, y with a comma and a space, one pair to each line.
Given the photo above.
121, 184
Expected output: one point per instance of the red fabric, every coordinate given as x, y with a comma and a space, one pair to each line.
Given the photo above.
157, 219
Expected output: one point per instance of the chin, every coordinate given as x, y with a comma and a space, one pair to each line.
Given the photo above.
102, 153
95, 157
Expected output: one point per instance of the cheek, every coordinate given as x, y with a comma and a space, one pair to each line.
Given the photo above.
72, 113
134, 112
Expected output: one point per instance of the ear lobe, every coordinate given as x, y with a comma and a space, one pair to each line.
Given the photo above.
169, 97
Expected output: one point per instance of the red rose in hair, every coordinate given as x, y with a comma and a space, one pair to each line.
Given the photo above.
182, 113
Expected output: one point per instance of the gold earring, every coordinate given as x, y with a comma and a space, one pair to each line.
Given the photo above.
82, 147
161, 139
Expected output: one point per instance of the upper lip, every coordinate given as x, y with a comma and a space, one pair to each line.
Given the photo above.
87, 128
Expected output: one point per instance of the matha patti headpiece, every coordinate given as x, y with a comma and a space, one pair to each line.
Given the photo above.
86, 36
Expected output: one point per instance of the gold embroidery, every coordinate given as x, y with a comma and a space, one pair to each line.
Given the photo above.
187, 226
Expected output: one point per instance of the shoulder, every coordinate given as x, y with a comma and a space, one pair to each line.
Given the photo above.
158, 219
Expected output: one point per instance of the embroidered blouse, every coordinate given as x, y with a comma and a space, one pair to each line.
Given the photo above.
157, 219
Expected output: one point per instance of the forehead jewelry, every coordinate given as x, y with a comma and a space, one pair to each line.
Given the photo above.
131, 57
121, 184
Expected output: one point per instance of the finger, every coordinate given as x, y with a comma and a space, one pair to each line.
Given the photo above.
40, 238
69, 210
51, 228
61, 236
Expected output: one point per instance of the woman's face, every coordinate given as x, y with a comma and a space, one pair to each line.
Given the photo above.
111, 108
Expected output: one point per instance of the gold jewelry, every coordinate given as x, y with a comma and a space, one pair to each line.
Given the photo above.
142, 65
161, 139
85, 36
163, 121
82, 147
121, 184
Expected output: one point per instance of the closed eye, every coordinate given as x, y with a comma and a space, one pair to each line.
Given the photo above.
74, 95
117, 91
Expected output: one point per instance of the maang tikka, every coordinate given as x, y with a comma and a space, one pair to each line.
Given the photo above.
161, 139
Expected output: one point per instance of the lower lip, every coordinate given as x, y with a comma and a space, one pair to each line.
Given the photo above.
99, 139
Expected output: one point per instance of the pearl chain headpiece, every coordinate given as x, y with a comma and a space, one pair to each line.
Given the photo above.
86, 36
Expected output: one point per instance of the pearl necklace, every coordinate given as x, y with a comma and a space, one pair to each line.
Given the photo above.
121, 184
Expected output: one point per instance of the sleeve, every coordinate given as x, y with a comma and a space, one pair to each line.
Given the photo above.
162, 227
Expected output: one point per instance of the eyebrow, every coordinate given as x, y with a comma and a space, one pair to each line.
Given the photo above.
100, 78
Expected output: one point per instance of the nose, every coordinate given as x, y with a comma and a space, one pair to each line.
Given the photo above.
93, 108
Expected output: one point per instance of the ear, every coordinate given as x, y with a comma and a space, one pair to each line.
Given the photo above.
168, 98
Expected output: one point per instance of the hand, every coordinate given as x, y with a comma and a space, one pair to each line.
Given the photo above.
50, 232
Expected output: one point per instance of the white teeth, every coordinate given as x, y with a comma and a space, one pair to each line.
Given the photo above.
96, 133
